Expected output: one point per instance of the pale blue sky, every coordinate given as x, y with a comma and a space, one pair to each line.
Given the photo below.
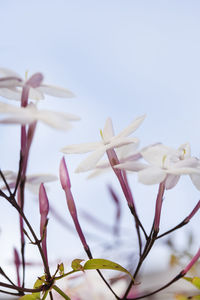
122, 59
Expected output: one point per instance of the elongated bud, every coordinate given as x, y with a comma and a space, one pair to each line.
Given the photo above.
17, 265
35, 80
64, 175
44, 209
66, 185
158, 209
43, 200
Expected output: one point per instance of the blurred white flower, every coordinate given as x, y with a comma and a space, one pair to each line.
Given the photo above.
92, 287
109, 141
30, 113
11, 85
166, 164
33, 181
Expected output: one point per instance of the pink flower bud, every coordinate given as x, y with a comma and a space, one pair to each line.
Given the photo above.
17, 265
64, 175
35, 80
44, 203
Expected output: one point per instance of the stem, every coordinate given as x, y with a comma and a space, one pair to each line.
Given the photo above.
21, 289
152, 236
113, 159
160, 289
184, 222
59, 291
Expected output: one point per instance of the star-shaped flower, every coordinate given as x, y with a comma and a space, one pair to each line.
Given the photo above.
33, 181
125, 153
30, 113
167, 164
11, 85
109, 141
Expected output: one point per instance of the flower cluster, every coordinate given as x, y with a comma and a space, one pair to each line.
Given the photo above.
154, 164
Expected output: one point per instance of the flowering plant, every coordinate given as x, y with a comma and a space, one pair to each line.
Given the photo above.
155, 164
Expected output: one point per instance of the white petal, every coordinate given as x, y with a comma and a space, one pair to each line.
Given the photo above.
8, 73
131, 128
191, 162
185, 150
155, 155
17, 120
119, 142
81, 148
171, 181
35, 94
127, 150
56, 91
151, 175
55, 119
131, 166
10, 94
10, 82
90, 162
7, 108
108, 131
196, 180
182, 171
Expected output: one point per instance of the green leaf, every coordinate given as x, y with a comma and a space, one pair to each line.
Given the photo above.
61, 269
194, 280
40, 281
76, 264
30, 297
98, 263
181, 297
197, 297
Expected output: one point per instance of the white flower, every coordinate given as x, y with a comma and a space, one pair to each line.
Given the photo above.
11, 85
125, 153
33, 181
167, 164
109, 141
30, 113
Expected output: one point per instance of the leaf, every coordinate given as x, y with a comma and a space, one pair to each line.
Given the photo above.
76, 265
181, 297
98, 263
39, 282
194, 280
61, 268
30, 297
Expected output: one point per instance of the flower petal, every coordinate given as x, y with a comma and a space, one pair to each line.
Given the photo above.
55, 91
115, 143
155, 155
81, 148
171, 181
35, 94
196, 180
151, 175
56, 120
134, 166
90, 162
4, 72
108, 131
10, 94
10, 82
131, 128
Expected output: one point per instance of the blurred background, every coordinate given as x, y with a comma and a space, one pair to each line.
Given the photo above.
121, 59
